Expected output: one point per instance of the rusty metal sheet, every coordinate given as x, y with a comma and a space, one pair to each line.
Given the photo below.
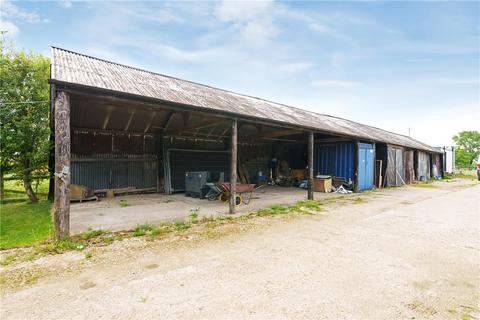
72, 68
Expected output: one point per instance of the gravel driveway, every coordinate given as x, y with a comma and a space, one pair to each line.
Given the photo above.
404, 253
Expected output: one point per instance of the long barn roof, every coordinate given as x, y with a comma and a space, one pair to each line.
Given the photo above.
73, 68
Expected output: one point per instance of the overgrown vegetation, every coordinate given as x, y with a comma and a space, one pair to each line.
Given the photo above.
465, 174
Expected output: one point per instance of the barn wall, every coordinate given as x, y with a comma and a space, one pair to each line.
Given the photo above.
107, 160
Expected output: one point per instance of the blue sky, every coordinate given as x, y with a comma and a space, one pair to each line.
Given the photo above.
395, 65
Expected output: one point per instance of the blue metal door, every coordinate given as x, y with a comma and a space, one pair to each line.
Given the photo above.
365, 166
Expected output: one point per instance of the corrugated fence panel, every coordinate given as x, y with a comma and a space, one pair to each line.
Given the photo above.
95, 175
335, 160
115, 173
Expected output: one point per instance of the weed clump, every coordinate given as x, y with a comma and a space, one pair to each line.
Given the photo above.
181, 225
92, 233
194, 215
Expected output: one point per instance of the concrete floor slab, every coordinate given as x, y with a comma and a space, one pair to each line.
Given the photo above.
108, 214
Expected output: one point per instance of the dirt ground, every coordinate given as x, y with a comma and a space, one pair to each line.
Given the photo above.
401, 253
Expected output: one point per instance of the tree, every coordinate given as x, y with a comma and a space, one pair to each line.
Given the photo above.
24, 114
467, 147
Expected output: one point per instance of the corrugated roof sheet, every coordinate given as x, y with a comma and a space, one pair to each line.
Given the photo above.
74, 68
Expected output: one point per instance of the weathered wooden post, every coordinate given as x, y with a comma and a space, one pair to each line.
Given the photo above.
61, 210
233, 168
310, 165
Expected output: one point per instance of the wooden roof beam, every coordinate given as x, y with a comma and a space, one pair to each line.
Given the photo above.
280, 133
202, 125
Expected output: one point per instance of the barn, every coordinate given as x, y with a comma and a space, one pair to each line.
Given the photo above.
117, 127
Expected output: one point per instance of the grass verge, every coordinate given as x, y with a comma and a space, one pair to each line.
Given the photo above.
24, 224
207, 225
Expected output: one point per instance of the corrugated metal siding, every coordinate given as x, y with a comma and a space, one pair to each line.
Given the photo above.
335, 159
114, 173
181, 161
74, 68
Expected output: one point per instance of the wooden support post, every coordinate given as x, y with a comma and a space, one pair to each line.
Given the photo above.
310, 165
61, 210
233, 168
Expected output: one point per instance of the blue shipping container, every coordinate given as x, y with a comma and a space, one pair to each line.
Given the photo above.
336, 159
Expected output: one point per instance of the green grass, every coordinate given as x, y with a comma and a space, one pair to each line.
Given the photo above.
24, 224
14, 189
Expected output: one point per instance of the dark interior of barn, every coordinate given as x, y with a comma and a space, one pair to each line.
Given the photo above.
139, 147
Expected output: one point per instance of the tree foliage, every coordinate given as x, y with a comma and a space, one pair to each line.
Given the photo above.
24, 114
467, 148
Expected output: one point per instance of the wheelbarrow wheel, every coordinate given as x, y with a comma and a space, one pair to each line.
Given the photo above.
212, 197
238, 198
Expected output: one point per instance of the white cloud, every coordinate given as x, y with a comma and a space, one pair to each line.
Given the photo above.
252, 19
315, 26
8, 27
295, 67
13, 12
200, 55
65, 4
242, 11
162, 15
333, 83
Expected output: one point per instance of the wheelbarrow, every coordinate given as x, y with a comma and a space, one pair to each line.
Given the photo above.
242, 190
214, 191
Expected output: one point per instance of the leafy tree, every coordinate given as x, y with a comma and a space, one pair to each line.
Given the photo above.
24, 114
467, 147
463, 159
